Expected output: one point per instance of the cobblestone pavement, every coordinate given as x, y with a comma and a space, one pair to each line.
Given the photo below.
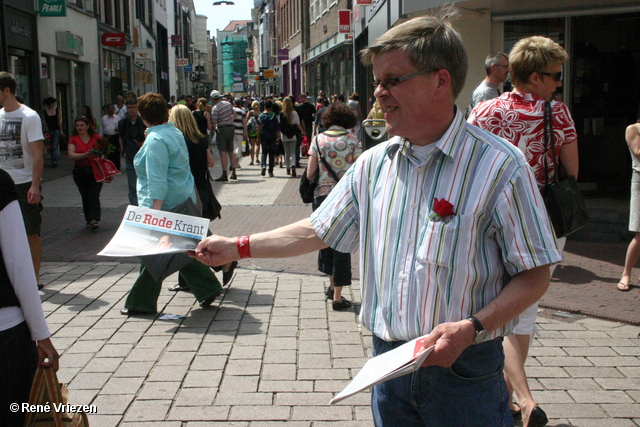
270, 350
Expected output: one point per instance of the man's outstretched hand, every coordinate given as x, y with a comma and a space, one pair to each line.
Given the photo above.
216, 250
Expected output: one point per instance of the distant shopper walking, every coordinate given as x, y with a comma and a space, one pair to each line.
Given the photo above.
80, 144
53, 121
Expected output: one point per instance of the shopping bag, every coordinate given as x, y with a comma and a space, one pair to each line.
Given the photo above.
103, 170
47, 392
304, 146
246, 148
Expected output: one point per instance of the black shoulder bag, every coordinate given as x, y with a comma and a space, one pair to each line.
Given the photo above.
307, 186
562, 197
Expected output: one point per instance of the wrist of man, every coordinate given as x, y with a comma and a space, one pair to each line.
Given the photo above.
243, 247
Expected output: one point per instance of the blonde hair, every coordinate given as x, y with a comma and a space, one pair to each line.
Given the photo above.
202, 104
182, 118
533, 55
287, 109
255, 104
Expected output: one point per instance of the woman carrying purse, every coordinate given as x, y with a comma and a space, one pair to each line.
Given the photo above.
535, 65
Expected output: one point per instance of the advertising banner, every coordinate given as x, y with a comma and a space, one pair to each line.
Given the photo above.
344, 21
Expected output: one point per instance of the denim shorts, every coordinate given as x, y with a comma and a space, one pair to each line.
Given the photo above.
471, 393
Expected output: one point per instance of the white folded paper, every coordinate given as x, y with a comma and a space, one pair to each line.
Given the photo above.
400, 361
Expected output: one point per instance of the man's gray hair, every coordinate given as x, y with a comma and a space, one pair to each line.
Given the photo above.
430, 42
494, 59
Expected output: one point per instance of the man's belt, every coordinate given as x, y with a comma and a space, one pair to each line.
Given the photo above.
225, 125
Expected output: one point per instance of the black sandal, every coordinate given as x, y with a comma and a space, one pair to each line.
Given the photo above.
179, 287
329, 293
341, 305
228, 275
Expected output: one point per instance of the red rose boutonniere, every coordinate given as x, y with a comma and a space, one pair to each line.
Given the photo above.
441, 209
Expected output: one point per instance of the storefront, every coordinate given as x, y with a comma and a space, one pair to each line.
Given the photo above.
21, 48
330, 70
601, 88
69, 63
116, 77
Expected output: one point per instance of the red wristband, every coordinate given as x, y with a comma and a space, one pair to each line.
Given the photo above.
242, 243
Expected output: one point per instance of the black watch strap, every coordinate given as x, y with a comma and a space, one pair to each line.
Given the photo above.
476, 323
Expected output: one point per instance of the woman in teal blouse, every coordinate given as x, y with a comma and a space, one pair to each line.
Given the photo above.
164, 182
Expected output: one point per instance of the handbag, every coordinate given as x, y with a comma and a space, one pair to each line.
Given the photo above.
308, 186
47, 392
562, 198
304, 146
103, 170
212, 209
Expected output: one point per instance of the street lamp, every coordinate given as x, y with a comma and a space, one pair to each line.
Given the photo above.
221, 2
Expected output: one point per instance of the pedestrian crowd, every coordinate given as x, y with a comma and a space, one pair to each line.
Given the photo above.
448, 214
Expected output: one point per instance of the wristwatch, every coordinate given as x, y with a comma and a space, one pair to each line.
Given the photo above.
481, 333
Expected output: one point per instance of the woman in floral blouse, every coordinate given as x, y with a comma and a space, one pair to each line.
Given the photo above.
536, 71
340, 148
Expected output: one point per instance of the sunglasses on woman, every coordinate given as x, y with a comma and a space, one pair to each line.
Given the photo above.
555, 76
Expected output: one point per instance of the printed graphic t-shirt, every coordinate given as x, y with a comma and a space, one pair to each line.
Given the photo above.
17, 129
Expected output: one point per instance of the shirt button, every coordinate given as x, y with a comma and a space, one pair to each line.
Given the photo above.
403, 277
414, 205
409, 241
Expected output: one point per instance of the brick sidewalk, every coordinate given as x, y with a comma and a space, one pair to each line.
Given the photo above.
270, 351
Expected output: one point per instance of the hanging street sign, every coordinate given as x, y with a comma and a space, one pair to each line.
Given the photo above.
176, 40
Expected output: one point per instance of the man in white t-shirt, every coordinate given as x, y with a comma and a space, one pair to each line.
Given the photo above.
497, 67
21, 155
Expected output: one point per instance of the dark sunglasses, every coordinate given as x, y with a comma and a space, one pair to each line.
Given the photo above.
390, 82
555, 76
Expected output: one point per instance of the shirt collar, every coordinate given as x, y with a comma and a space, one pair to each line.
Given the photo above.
449, 143
521, 97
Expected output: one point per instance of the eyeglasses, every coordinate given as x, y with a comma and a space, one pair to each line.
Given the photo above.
390, 82
555, 76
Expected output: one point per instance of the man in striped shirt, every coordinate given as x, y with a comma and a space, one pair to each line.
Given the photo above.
454, 238
222, 116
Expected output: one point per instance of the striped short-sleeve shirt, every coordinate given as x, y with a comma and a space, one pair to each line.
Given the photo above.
222, 113
417, 270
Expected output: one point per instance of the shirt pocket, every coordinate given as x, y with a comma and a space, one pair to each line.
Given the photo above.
447, 243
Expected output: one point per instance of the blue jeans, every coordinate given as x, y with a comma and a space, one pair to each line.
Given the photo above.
471, 393
132, 180
54, 151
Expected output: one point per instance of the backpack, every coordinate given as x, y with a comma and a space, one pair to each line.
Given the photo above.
252, 125
269, 123
287, 128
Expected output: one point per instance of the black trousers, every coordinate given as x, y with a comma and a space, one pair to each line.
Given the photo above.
115, 156
268, 148
89, 192
18, 362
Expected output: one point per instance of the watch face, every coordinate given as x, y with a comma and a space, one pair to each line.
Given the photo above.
480, 336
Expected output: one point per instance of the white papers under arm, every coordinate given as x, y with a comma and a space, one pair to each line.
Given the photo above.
395, 363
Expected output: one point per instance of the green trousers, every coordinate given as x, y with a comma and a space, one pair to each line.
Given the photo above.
146, 290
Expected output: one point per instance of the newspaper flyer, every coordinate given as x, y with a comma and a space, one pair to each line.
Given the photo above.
400, 361
148, 231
